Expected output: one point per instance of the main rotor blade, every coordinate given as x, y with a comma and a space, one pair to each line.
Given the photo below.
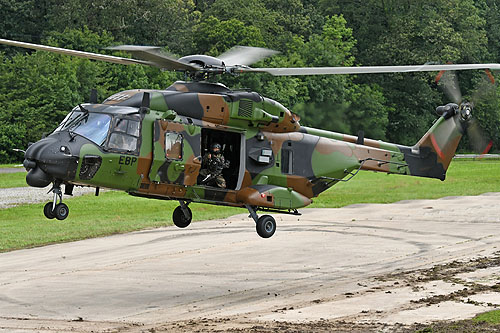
81, 54
364, 70
245, 55
154, 55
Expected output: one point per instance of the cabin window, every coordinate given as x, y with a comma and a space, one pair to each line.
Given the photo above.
173, 145
122, 141
128, 126
125, 135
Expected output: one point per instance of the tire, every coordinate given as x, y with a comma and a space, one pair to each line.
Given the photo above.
61, 212
47, 211
266, 226
180, 220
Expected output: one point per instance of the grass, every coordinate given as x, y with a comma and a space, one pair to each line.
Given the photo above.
113, 212
483, 322
17, 179
116, 212
462, 178
492, 317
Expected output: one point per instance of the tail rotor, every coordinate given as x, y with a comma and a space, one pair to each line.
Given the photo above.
447, 81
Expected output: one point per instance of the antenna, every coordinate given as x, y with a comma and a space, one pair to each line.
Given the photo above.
93, 96
145, 104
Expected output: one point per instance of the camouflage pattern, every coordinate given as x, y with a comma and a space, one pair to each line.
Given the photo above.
278, 164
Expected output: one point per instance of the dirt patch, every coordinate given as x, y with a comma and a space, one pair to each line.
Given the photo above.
418, 281
229, 326
450, 272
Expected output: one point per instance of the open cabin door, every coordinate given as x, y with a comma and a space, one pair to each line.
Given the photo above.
176, 153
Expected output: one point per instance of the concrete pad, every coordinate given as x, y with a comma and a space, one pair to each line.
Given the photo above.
487, 276
492, 299
327, 260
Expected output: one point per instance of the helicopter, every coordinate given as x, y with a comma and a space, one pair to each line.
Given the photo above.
152, 143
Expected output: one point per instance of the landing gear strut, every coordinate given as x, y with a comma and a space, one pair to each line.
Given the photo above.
265, 225
53, 209
182, 215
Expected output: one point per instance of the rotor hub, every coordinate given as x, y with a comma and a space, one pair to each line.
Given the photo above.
465, 111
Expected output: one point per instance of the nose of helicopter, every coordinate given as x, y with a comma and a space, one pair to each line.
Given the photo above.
48, 160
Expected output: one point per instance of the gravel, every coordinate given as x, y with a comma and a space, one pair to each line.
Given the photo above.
11, 197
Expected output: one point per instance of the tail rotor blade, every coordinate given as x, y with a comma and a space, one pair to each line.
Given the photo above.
447, 81
485, 90
480, 143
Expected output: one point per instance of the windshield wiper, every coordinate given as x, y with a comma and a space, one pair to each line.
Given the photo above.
76, 121
71, 122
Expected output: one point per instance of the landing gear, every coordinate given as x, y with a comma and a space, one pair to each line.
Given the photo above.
182, 215
53, 209
47, 211
61, 211
265, 225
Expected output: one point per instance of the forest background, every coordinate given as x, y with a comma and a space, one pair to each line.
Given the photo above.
37, 89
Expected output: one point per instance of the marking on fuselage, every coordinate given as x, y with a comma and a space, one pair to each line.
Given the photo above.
127, 160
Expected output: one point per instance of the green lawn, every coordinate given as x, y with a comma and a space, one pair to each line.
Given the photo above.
116, 212
463, 178
110, 213
492, 317
17, 179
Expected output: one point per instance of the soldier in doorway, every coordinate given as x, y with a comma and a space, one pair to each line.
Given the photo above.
213, 163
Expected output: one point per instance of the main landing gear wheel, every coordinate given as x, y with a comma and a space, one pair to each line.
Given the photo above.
47, 211
266, 226
182, 220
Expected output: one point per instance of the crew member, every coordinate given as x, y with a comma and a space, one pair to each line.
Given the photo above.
213, 164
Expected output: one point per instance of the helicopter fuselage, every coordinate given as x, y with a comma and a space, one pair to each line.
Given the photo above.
157, 151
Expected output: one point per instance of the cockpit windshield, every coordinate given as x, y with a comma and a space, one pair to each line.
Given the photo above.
93, 126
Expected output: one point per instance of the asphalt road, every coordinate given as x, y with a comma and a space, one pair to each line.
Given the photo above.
12, 170
360, 264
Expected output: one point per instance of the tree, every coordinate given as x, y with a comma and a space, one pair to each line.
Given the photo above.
213, 37
392, 32
38, 89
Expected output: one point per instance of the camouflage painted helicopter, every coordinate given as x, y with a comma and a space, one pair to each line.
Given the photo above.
150, 143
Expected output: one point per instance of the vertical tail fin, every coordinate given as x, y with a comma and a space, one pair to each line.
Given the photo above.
432, 154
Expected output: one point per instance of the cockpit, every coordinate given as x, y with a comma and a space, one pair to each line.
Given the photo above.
112, 131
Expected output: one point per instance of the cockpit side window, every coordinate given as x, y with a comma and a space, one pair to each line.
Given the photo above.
125, 135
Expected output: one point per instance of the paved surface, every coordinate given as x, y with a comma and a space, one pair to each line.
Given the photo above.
12, 170
360, 264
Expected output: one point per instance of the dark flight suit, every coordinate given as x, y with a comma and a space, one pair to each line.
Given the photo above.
214, 164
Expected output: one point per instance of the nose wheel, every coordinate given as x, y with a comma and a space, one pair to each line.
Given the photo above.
53, 209
265, 225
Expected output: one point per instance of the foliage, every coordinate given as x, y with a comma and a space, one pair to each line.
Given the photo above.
212, 36
37, 89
